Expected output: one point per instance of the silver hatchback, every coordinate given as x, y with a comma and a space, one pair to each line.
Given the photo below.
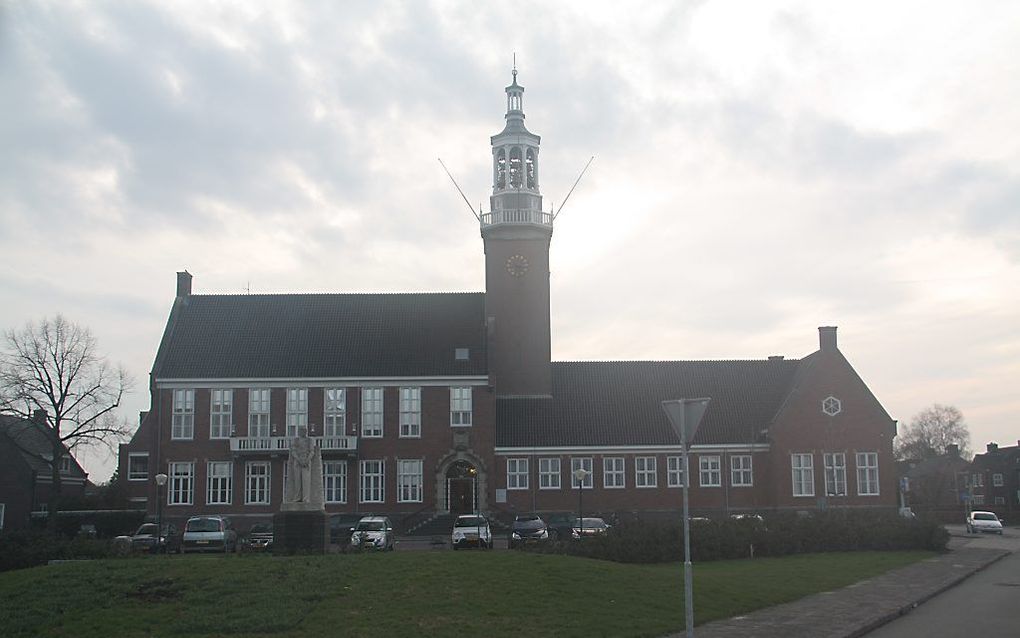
209, 534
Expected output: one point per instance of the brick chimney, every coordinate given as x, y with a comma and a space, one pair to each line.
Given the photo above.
827, 338
953, 449
39, 417
992, 447
183, 283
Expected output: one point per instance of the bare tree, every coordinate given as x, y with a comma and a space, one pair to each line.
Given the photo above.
932, 431
51, 374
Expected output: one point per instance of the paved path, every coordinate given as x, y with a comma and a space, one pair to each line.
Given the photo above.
859, 608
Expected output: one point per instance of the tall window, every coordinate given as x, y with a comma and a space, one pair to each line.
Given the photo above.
867, 473
183, 422
182, 484
835, 474
256, 483
297, 411
517, 474
220, 413
674, 471
138, 466
645, 471
410, 413
741, 474
711, 471
373, 481
334, 481
803, 469
584, 463
409, 481
219, 483
549, 473
258, 413
613, 472
334, 414
460, 406
997, 480
372, 413
978, 480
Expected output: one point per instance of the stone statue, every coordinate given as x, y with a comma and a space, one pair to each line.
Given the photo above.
304, 475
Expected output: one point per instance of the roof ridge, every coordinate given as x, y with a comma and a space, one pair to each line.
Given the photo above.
338, 294
583, 361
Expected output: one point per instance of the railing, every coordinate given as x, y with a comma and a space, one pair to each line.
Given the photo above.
282, 443
517, 216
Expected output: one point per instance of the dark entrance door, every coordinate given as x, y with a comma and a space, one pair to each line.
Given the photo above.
460, 485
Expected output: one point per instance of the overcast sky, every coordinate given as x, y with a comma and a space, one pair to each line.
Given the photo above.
762, 169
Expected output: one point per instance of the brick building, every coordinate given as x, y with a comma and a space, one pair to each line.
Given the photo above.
431, 403
994, 480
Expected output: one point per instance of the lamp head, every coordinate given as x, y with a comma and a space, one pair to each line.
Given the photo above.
161, 479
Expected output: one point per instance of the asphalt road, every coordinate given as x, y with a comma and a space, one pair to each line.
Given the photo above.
986, 605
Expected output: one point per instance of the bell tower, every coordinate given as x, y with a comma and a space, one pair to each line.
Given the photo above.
516, 233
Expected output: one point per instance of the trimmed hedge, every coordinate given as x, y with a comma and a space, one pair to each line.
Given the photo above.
108, 523
26, 548
777, 535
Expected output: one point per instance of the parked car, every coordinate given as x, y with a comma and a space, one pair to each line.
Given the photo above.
528, 528
560, 525
146, 539
470, 530
373, 532
209, 534
341, 527
986, 522
260, 537
587, 527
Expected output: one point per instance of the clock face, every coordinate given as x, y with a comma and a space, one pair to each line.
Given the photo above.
517, 266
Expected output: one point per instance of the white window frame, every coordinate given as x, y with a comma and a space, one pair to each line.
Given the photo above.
835, 473
549, 473
802, 474
219, 485
65, 464
978, 480
710, 470
258, 483
410, 413
297, 411
867, 474
259, 411
132, 476
646, 472
1000, 500
372, 414
997, 480
614, 472
409, 480
180, 483
741, 470
587, 463
221, 413
372, 481
182, 422
674, 471
334, 481
517, 473
334, 412
461, 409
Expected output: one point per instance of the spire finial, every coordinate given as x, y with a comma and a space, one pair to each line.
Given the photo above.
515, 67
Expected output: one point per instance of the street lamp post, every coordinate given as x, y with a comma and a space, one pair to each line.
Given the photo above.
579, 475
160, 482
685, 417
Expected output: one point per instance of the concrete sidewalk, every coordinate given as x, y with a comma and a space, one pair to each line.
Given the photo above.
859, 608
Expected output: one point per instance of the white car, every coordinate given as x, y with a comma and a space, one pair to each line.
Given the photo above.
373, 532
986, 522
471, 530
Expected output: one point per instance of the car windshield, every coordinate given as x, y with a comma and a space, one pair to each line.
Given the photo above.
984, 516
470, 521
204, 525
529, 523
261, 528
594, 523
148, 528
370, 526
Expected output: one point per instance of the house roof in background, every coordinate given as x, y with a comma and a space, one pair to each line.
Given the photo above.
26, 437
323, 336
617, 403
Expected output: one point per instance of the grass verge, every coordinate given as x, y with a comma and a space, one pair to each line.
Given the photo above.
406, 594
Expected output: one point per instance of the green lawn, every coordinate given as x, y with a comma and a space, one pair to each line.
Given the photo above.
497, 593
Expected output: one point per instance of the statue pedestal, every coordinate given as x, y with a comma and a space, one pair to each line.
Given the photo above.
300, 531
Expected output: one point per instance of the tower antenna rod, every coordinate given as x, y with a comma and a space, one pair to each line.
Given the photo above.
564, 202
470, 207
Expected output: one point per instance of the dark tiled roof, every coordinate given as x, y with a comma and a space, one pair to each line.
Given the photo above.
617, 403
31, 443
322, 335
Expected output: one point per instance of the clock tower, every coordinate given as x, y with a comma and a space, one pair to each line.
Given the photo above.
516, 233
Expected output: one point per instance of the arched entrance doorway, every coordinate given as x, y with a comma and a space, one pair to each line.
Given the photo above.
462, 488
